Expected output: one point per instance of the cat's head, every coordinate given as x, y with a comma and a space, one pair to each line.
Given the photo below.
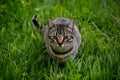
61, 34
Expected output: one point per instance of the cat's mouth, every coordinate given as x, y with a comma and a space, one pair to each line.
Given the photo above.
58, 52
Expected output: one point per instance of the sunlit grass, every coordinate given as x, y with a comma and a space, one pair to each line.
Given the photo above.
23, 55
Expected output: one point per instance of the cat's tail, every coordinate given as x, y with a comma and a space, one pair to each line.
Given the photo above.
37, 24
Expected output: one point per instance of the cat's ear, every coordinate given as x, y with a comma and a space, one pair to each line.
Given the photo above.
71, 24
50, 23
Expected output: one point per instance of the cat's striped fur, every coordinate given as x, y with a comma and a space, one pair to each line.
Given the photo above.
62, 38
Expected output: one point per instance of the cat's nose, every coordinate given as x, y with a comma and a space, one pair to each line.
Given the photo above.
60, 42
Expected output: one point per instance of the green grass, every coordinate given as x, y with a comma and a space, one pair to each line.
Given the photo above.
23, 55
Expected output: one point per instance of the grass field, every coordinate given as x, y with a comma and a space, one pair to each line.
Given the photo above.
23, 55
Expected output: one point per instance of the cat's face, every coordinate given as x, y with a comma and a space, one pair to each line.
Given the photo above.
60, 36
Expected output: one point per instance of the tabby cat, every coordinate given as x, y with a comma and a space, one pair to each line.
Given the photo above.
61, 36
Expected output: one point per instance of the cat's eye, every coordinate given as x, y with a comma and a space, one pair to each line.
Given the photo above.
54, 37
49, 37
71, 37
65, 37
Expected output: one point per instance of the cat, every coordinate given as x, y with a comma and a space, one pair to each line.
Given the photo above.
61, 37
